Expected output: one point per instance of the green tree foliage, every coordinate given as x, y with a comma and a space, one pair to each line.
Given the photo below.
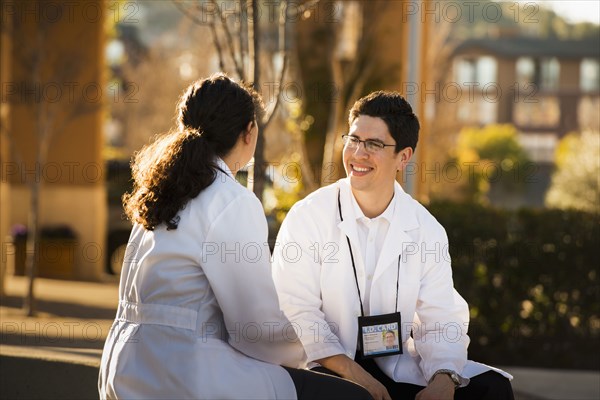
576, 181
487, 155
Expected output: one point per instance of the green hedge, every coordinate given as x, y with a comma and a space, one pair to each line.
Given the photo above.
531, 280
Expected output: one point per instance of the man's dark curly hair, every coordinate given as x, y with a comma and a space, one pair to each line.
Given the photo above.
177, 166
395, 111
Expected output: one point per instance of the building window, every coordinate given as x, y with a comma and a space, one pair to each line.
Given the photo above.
464, 70
540, 147
588, 117
478, 75
481, 70
544, 112
542, 72
550, 73
590, 75
525, 71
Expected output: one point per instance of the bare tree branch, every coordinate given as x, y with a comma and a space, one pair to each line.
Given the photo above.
229, 42
256, 44
191, 16
283, 48
246, 58
270, 117
215, 36
243, 36
211, 25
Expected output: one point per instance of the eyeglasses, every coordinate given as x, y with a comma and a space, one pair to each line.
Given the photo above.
371, 146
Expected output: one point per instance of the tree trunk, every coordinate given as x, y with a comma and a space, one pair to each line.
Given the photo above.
33, 243
315, 46
259, 158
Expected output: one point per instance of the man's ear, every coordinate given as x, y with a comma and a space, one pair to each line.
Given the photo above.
404, 157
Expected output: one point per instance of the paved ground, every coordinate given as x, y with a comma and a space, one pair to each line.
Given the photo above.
61, 346
70, 314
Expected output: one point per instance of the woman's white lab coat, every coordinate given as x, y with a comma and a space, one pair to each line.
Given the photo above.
198, 309
313, 274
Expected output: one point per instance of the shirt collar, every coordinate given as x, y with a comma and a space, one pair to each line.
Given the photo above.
388, 214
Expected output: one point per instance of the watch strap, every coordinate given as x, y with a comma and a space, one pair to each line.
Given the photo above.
454, 376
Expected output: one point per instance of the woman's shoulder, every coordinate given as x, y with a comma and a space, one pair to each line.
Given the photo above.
224, 193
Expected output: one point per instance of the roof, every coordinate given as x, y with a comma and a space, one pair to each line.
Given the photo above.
514, 47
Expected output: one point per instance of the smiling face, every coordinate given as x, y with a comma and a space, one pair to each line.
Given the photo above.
390, 339
373, 173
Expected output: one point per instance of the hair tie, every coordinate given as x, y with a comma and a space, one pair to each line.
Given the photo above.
194, 133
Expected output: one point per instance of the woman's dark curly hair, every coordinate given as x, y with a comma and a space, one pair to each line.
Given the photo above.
177, 166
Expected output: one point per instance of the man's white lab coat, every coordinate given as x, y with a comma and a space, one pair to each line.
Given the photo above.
315, 281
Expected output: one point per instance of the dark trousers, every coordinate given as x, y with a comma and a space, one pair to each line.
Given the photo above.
487, 386
314, 385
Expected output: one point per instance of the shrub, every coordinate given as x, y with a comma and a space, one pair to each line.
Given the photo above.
576, 181
530, 278
491, 154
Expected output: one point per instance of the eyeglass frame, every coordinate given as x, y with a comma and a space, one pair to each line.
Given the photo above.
347, 138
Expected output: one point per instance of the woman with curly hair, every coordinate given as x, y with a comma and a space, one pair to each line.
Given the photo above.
198, 314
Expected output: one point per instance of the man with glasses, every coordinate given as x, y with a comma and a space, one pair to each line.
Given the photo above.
360, 257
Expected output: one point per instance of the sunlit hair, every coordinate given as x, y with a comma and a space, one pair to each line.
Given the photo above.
395, 111
177, 166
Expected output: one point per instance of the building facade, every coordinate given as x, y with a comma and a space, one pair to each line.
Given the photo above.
53, 97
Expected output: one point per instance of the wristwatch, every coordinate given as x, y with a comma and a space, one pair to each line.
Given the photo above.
456, 378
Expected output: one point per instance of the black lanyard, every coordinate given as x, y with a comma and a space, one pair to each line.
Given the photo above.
362, 311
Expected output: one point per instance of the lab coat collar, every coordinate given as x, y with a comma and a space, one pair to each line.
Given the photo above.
404, 220
221, 164
405, 214
348, 224
349, 228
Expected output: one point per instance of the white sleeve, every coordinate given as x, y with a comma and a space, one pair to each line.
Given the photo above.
297, 276
236, 261
441, 336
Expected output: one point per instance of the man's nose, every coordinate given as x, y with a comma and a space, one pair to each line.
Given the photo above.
361, 150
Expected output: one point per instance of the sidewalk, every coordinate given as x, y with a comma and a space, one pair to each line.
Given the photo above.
55, 354
69, 313
60, 348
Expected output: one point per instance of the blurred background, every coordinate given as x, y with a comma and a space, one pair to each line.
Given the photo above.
508, 95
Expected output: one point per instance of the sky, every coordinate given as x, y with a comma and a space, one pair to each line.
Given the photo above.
573, 10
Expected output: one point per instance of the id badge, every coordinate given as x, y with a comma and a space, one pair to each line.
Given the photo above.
379, 335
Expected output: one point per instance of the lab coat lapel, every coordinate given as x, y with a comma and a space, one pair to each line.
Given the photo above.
348, 228
397, 238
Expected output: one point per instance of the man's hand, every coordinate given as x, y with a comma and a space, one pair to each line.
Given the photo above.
347, 368
440, 388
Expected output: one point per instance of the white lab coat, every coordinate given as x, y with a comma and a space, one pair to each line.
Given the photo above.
315, 281
198, 309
